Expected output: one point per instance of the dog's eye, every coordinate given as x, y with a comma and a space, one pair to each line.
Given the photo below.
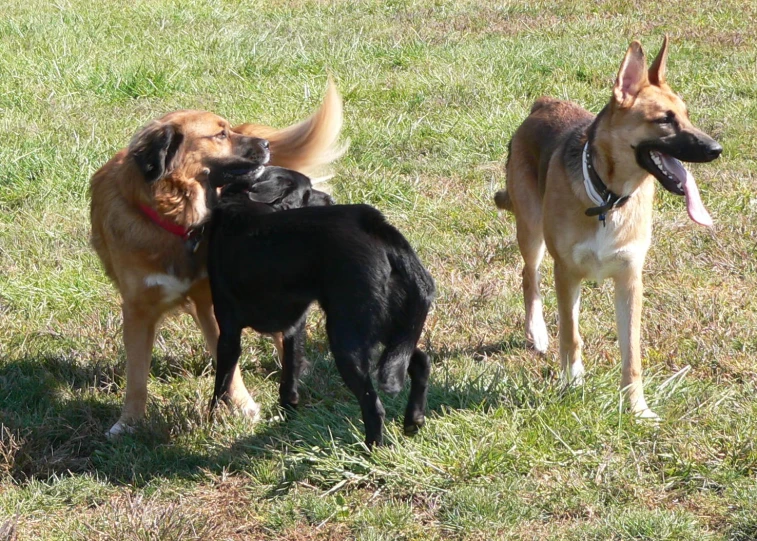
669, 118
223, 135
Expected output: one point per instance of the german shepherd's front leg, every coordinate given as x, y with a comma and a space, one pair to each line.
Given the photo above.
628, 301
568, 288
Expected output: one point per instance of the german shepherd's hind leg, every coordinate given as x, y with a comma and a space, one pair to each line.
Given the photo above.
415, 414
532, 248
523, 199
140, 325
201, 311
568, 289
628, 301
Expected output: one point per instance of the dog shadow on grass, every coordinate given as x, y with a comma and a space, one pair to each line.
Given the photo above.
54, 412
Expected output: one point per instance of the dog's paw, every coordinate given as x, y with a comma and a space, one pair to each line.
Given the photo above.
577, 372
118, 430
647, 415
249, 409
641, 410
538, 338
573, 376
414, 424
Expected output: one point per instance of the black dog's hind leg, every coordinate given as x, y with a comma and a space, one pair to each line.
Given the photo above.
353, 366
292, 364
418, 370
229, 349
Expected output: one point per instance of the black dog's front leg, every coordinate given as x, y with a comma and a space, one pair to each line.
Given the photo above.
229, 349
292, 365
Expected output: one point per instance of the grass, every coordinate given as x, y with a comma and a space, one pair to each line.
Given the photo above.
433, 89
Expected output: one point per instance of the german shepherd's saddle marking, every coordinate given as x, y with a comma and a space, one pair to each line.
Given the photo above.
583, 187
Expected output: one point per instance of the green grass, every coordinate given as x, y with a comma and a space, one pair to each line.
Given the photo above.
433, 90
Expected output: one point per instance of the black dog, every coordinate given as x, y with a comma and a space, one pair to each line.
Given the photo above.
267, 267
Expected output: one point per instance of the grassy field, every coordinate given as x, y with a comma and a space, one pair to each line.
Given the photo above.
433, 90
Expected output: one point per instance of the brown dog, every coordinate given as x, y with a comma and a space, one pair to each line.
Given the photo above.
584, 186
148, 202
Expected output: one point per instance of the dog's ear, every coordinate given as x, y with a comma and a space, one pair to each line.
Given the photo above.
154, 150
270, 191
632, 76
657, 70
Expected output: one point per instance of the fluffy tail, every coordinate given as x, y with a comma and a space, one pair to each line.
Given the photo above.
309, 146
411, 294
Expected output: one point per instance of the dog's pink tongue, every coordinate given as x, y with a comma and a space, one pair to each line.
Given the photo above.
694, 204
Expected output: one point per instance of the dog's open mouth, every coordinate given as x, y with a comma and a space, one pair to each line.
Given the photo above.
675, 178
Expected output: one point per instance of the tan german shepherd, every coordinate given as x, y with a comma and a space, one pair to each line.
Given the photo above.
584, 185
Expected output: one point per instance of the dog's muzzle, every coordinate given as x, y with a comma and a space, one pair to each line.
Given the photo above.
662, 158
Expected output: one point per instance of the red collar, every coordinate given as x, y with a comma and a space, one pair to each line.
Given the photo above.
171, 227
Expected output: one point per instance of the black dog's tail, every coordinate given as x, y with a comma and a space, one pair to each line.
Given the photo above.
411, 292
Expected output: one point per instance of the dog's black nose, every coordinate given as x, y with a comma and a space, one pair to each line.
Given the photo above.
713, 150
264, 143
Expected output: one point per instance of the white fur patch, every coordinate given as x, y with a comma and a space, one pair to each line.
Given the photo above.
574, 374
536, 329
117, 429
602, 255
173, 288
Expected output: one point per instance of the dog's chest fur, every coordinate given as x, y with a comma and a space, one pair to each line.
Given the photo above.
608, 249
172, 289
168, 284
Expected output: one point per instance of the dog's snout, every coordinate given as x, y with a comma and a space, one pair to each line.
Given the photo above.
713, 150
253, 148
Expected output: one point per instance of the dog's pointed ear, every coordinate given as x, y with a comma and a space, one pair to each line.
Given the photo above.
154, 149
657, 69
270, 191
632, 76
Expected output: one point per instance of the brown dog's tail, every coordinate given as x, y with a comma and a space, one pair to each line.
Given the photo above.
310, 145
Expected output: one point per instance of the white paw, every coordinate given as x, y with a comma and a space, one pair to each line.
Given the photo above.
249, 409
641, 410
577, 372
538, 338
118, 429
574, 374
646, 415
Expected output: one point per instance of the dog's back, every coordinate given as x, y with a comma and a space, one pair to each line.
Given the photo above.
343, 256
411, 294
534, 143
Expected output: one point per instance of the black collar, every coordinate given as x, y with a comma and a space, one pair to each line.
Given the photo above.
609, 200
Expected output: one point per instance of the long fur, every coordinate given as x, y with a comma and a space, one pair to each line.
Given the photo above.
308, 146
